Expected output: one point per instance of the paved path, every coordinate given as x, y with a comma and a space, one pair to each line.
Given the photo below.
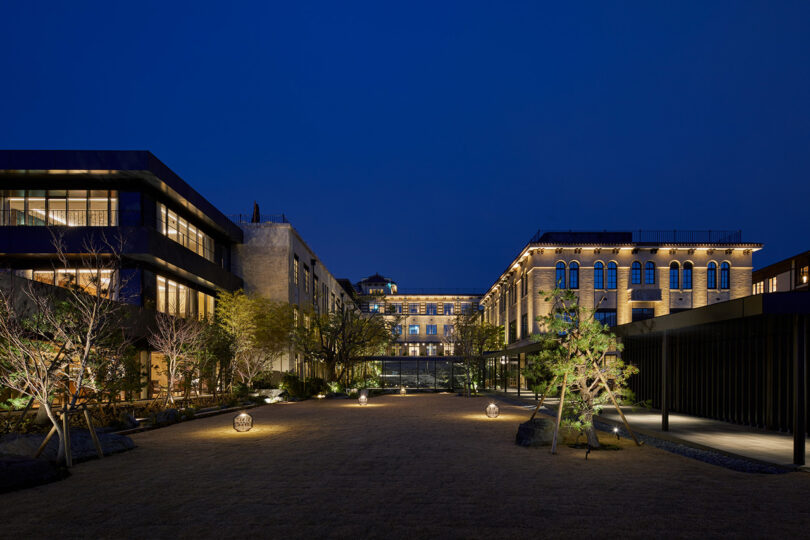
770, 447
413, 466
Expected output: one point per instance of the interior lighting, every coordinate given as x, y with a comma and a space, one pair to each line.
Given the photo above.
242, 422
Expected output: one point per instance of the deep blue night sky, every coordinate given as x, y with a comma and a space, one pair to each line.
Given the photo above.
429, 141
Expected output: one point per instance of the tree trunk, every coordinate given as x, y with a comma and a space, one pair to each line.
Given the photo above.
60, 433
590, 431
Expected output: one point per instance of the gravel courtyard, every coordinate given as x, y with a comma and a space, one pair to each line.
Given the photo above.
404, 466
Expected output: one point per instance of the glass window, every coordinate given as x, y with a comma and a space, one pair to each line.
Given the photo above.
635, 273
296, 269
413, 329
184, 233
673, 275
397, 308
611, 275
77, 208
430, 329
524, 325
573, 275
413, 309
44, 276
398, 330
431, 349
448, 329
641, 314
430, 309
465, 307
772, 284
687, 275
711, 276
374, 307
36, 212
725, 277
559, 278
448, 309
649, 273
606, 316
598, 275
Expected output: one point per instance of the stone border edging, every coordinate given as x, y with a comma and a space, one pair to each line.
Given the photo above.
205, 414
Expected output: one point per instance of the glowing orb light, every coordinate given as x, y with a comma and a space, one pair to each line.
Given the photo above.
492, 410
363, 399
402, 391
242, 422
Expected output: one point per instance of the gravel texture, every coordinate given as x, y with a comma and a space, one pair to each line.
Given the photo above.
403, 466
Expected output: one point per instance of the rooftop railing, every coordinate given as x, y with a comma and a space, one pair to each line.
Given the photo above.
263, 218
639, 236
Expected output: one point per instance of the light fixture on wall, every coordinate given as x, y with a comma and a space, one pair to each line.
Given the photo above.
242, 422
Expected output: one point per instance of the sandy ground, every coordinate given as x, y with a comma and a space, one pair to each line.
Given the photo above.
404, 466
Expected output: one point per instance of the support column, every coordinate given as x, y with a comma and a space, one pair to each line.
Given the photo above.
518, 374
799, 389
664, 382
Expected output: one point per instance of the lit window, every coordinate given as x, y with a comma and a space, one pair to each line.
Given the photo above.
711, 276
430, 329
611, 275
804, 274
448, 329
374, 308
182, 232
59, 207
635, 273
673, 275
431, 349
772, 284
598, 276
296, 269
573, 275
559, 278
649, 273
725, 277
687, 275
413, 329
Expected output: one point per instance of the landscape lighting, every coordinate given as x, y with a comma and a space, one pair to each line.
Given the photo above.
242, 422
402, 391
363, 399
492, 410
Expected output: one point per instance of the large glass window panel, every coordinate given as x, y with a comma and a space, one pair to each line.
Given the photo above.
57, 211
97, 214
66, 278
161, 294
36, 211
113, 208
16, 211
182, 300
44, 276
171, 300
77, 210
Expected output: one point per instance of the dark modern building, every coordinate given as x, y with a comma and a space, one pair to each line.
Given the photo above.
175, 245
792, 274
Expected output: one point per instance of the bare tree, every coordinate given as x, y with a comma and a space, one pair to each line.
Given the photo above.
470, 338
53, 340
179, 341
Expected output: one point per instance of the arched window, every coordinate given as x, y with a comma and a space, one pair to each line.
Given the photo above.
573, 275
611, 277
687, 276
673, 275
711, 277
635, 273
559, 279
725, 278
649, 273
598, 275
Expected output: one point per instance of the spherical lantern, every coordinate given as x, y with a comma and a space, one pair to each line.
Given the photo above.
363, 399
492, 410
402, 391
320, 396
242, 422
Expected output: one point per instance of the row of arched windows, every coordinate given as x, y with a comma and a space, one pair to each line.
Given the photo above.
678, 278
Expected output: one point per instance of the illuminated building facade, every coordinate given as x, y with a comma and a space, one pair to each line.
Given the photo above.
275, 262
175, 246
791, 274
625, 276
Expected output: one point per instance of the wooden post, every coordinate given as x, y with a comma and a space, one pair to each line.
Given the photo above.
66, 429
616, 404
559, 415
664, 383
45, 442
548, 388
799, 390
93, 435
